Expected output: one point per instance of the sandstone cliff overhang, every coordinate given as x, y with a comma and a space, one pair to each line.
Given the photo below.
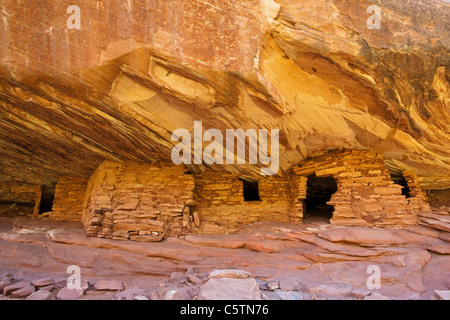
137, 70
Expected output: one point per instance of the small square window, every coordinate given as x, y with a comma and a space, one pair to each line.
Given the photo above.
251, 191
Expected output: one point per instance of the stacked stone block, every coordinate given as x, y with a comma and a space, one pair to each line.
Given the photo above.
297, 189
140, 202
69, 198
418, 198
366, 195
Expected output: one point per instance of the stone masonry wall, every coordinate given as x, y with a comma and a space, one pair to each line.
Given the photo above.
69, 198
297, 188
366, 196
220, 199
417, 198
141, 202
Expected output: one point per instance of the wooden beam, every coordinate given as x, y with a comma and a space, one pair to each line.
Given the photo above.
37, 202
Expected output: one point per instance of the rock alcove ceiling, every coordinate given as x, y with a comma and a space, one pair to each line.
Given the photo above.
117, 88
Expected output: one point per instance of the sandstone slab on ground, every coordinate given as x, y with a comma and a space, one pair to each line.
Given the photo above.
290, 295
193, 279
129, 294
43, 282
272, 285
72, 294
334, 289
69, 294
363, 236
112, 285
4, 284
23, 292
375, 296
289, 285
15, 286
178, 294
47, 288
39, 295
230, 289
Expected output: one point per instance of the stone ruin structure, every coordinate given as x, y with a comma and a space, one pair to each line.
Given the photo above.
148, 202
85, 114
365, 195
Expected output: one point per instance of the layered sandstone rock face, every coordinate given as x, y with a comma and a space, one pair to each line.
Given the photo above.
135, 71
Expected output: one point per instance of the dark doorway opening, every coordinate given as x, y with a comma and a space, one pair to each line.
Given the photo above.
48, 196
251, 190
318, 193
402, 181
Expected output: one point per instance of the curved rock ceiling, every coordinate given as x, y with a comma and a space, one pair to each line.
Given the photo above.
137, 70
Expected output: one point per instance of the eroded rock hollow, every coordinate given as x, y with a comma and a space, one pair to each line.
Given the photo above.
158, 144
105, 85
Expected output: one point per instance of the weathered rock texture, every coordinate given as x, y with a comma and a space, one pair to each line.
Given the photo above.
21, 195
18, 192
137, 70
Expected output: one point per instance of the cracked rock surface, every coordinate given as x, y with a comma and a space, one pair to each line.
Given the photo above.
267, 260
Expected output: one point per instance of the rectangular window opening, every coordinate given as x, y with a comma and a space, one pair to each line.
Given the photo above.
251, 190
